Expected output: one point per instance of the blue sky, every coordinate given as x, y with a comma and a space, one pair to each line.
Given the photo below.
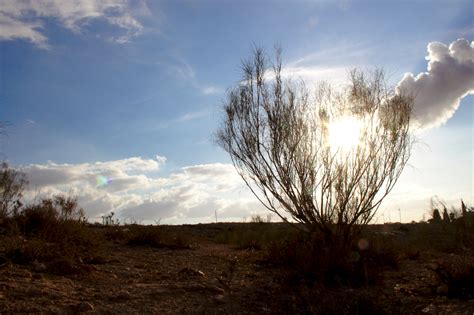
110, 81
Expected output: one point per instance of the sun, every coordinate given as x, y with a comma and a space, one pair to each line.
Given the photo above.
344, 133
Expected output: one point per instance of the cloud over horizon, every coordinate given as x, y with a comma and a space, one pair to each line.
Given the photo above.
438, 92
135, 190
25, 19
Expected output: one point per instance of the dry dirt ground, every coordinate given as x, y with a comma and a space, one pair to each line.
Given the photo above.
208, 278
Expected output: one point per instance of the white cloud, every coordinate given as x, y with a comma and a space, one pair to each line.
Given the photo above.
25, 19
449, 78
122, 174
11, 28
331, 65
135, 191
210, 90
192, 116
313, 74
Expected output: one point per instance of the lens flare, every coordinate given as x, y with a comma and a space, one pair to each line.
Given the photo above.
363, 244
102, 181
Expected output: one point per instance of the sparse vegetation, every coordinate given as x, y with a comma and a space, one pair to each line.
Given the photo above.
154, 236
51, 232
457, 273
52, 236
12, 185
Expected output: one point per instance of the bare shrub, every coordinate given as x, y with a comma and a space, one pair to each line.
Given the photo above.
257, 219
50, 216
12, 185
254, 236
457, 273
53, 231
277, 136
154, 236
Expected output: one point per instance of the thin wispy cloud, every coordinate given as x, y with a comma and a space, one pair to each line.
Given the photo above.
209, 90
330, 65
26, 19
182, 70
192, 116
182, 119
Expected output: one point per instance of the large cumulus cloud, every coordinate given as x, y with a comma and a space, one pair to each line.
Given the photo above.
449, 78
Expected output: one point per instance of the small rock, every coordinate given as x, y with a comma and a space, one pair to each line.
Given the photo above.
124, 295
38, 267
442, 290
216, 289
38, 276
425, 291
408, 299
27, 274
191, 272
85, 307
219, 299
430, 309
433, 266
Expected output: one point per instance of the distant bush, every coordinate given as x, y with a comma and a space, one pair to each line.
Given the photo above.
453, 237
254, 236
50, 231
257, 218
154, 236
50, 218
457, 273
323, 300
12, 184
114, 233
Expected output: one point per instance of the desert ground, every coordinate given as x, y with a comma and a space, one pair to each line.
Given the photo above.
231, 268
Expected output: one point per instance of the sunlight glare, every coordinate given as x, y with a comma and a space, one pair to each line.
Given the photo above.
344, 133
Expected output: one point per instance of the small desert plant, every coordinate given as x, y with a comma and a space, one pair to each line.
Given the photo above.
254, 236
115, 234
312, 258
12, 184
154, 236
50, 216
108, 219
257, 219
23, 251
54, 229
457, 273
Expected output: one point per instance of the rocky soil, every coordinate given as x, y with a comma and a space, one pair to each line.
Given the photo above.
208, 278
